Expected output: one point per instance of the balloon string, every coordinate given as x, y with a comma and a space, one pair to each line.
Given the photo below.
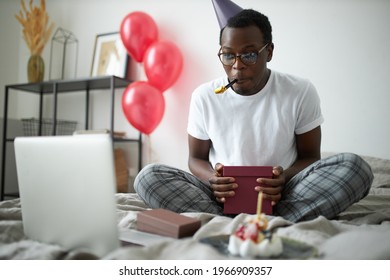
140, 72
149, 149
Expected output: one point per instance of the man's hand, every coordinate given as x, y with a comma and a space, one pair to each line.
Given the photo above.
222, 186
272, 188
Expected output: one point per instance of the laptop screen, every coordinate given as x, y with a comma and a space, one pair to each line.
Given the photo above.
67, 191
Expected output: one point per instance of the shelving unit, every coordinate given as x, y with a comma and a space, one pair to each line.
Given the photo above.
54, 88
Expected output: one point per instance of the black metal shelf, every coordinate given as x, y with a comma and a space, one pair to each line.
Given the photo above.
56, 87
49, 87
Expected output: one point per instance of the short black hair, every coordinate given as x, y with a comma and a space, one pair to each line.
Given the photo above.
249, 17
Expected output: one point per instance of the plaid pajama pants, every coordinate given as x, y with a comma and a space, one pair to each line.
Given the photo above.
325, 188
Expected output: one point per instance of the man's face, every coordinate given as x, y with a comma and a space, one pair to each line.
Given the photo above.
251, 77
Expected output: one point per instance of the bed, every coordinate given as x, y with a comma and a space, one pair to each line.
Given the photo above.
360, 232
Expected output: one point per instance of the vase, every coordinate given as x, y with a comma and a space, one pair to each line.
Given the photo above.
35, 69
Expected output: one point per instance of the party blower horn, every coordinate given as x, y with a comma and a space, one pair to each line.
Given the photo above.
225, 9
224, 88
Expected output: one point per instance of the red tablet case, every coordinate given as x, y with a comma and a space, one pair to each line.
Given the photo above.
245, 198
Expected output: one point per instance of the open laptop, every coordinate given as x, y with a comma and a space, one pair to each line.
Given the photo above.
67, 190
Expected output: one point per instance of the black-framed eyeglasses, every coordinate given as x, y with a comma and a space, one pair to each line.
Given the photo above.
248, 58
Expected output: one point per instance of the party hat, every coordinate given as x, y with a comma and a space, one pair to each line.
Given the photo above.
225, 9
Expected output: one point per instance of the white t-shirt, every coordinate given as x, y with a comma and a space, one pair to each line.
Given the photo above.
258, 129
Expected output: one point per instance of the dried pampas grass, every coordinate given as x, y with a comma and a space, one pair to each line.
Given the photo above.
35, 23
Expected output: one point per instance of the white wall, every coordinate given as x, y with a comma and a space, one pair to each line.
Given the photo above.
341, 45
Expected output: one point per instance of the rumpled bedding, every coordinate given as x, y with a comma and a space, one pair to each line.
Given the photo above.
360, 232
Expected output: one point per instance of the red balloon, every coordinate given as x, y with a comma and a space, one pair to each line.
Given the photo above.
138, 31
163, 63
143, 106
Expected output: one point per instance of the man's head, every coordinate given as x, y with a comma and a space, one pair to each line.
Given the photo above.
250, 17
246, 47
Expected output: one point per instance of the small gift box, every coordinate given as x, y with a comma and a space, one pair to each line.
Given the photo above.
245, 198
167, 223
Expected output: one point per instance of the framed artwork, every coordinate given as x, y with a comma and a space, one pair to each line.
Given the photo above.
110, 56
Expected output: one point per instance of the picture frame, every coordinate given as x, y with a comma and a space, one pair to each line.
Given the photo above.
110, 56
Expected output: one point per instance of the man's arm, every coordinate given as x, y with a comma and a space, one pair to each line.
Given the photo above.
198, 159
308, 149
198, 162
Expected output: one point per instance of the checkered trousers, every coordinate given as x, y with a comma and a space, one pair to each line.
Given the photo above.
327, 187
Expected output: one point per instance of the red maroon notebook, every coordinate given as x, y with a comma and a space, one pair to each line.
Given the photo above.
245, 199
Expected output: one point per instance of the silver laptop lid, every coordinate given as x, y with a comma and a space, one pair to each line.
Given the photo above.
67, 191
